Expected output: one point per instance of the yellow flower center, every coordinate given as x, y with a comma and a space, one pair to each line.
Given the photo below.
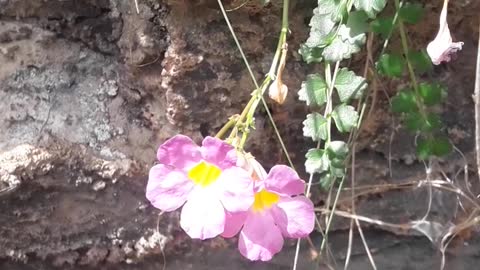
264, 200
204, 174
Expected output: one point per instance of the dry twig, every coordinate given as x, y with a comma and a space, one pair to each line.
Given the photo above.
477, 107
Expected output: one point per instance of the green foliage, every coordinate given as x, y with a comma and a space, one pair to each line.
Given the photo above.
336, 32
348, 85
317, 161
428, 147
391, 65
414, 101
315, 127
345, 117
382, 26
321, 31
350, 37
431, 94
310, 55
314, 90
371, 7
411, 13
404, 102
420, 61
335, 9
337, 152
334, 41
414, 122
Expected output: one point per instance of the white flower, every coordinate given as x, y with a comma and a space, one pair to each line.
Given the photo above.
442, 48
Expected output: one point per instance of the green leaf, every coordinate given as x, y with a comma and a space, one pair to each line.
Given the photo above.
427, 147
339, 50
315, 126
337, 149
441, 146
354, 30
404, 102
310, 55
348, 85
338, 163
337, 9
371, 7
345, 117
317, 161
391, 65
411, 13
314, 90
327, 180
321, 31
431, 93
421, 61
382, 26
414, 121
433, 123
351, 36
337, 172
424, 149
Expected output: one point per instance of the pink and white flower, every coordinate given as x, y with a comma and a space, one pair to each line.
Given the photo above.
279, 211
442, 47
204, 180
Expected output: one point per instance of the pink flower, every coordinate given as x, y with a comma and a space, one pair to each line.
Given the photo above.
252, 166
205, 180
279, 211
442, 48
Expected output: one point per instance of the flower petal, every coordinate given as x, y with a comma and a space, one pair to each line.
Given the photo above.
179, 151
283, 180
236, 188
251, 165
233, 223
442, 52
167, 188
202, 216
278, 91
218, 152
441, 49
294, 216
260, 239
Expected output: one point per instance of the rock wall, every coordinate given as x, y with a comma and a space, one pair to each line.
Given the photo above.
89, 89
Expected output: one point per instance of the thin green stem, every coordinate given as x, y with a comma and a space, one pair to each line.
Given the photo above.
413, 78
334, 206
231, 122
222, 8
394, 21
282, 144
281, 40
242, 115
246, 118
330, 80
257, 95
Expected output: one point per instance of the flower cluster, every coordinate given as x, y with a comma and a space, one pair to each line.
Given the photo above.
226, 193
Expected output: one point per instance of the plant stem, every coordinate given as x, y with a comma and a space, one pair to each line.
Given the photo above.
477, 106
246, 117
278, 54
231, 122
413, 78
282, 39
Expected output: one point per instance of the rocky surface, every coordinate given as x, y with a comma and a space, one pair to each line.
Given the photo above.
89, 89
